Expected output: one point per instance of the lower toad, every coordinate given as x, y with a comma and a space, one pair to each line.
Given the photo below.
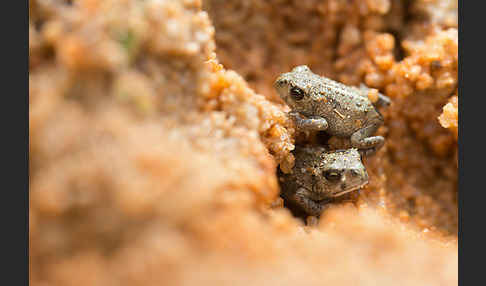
320, 175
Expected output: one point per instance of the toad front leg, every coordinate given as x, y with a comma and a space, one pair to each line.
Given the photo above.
367, 144
309, 123
311, 207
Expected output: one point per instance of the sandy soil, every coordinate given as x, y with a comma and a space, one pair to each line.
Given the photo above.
155, 136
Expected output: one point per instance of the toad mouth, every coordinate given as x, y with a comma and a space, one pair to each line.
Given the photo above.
347, 191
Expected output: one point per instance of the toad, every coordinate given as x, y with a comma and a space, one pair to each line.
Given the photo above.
319, 176
321, 104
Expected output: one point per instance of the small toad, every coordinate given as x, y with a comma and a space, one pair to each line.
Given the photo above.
320, 175
321, 104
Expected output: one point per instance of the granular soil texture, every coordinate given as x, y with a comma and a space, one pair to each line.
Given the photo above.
154, 143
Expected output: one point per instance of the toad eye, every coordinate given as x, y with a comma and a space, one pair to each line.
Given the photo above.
296, 93
332, 176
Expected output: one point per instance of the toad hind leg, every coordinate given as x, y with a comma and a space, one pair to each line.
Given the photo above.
311, 123
301, 197
367, 144
382, 101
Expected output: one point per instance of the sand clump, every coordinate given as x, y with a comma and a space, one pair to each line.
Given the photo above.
450, 115
152, 161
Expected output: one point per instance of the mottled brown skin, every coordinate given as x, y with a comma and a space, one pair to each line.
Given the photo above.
320, 175
322, 104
